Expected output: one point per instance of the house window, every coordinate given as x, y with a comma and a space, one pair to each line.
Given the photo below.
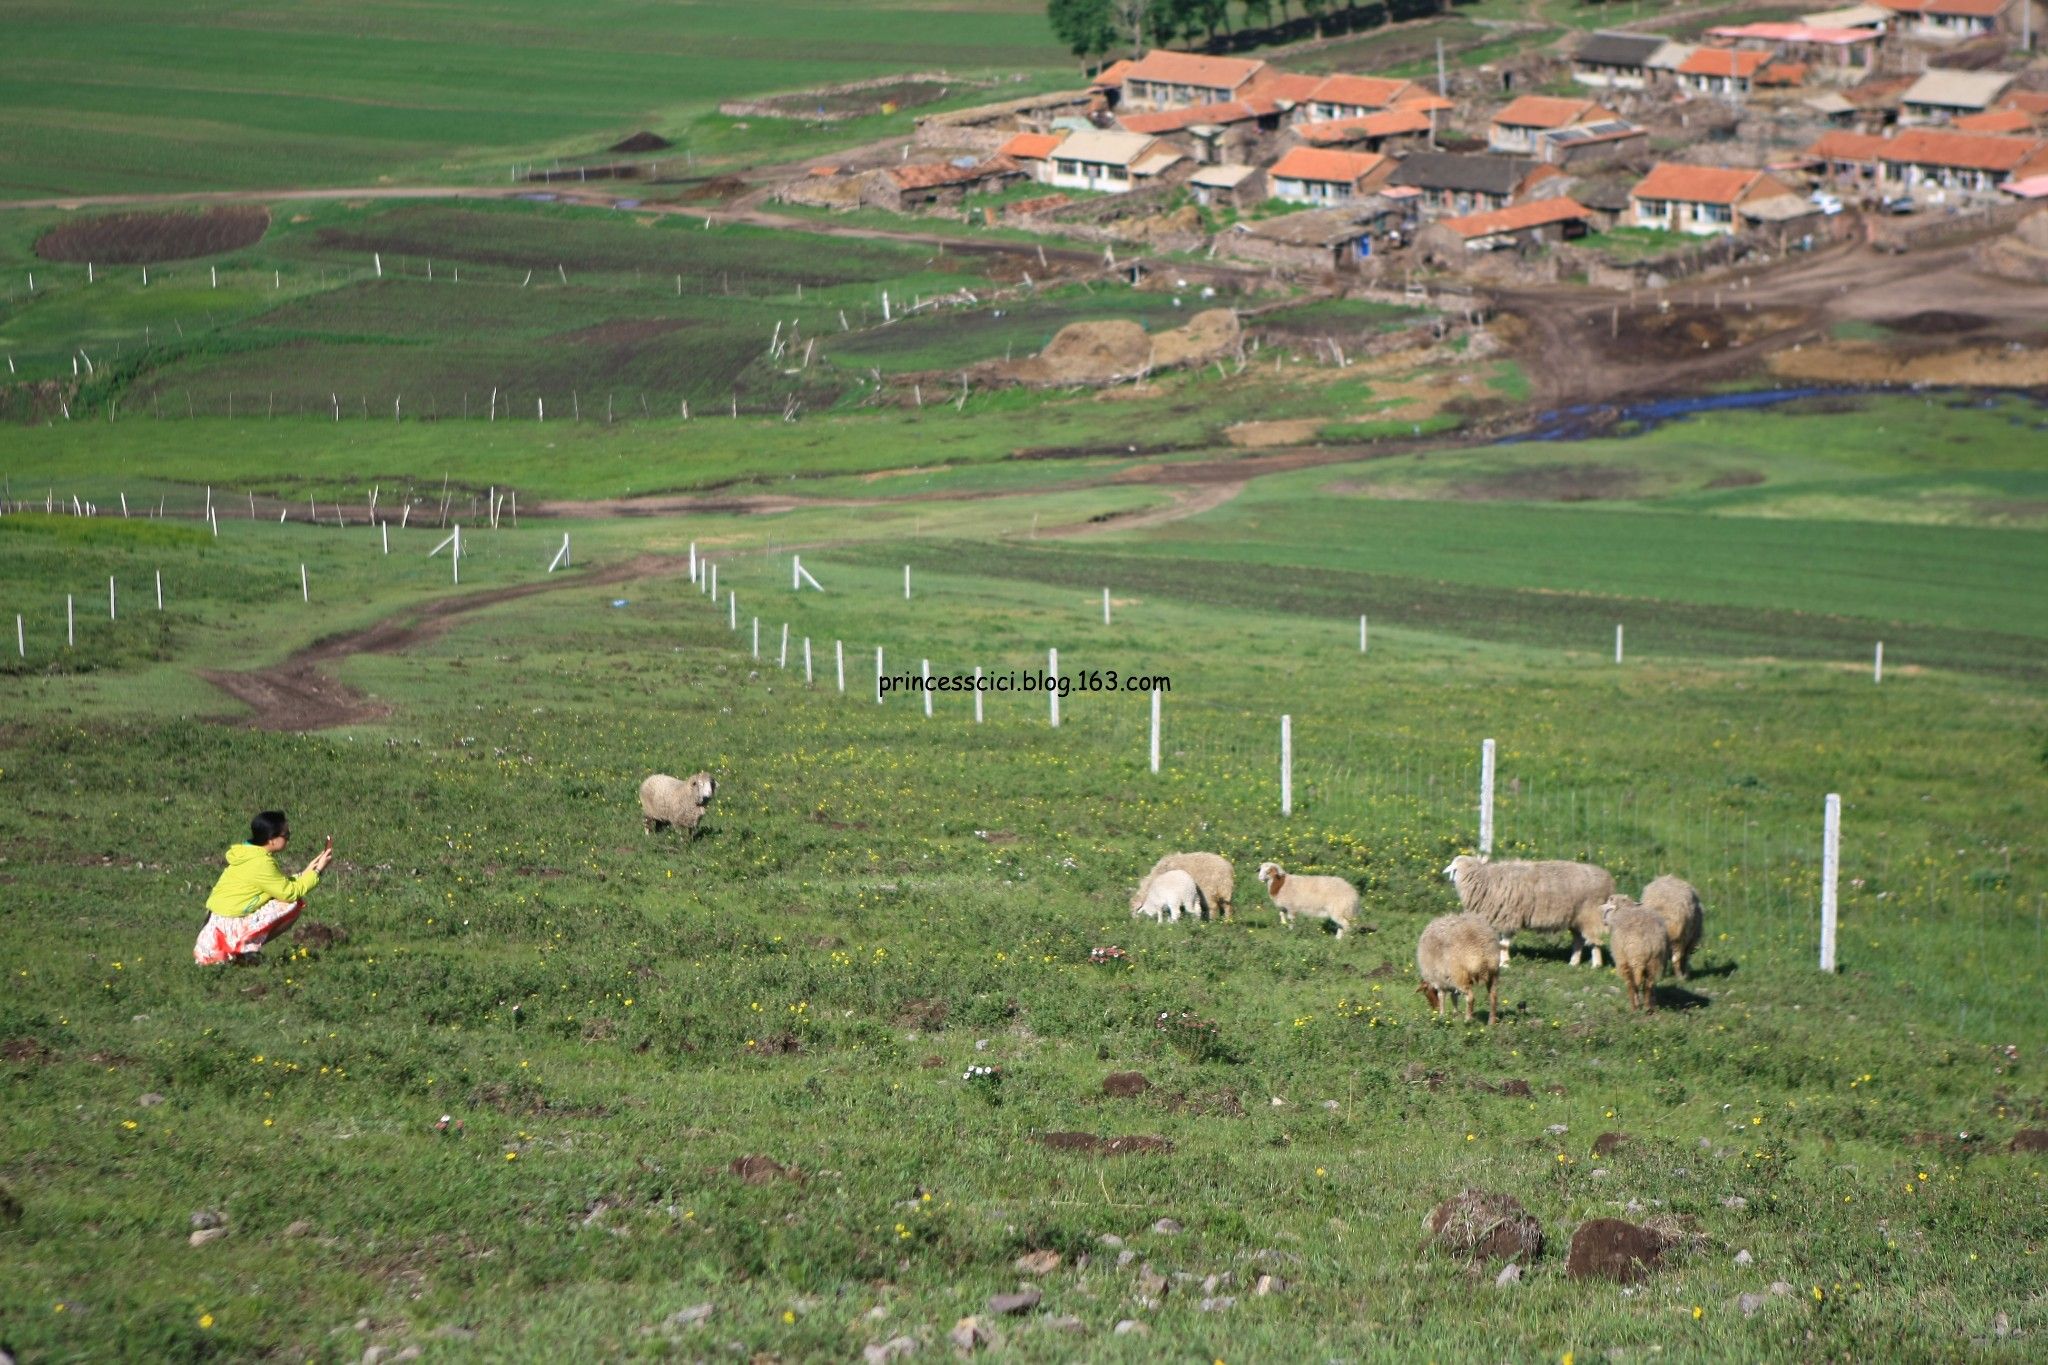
1716, 213
1654, 208
1070, 168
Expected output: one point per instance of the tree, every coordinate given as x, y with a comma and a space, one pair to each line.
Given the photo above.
1088, 27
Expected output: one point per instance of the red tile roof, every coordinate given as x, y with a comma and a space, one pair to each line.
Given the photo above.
1314, 163
1995, 121
1387, 123
1961, 151
1545, 111
1704, 184
1111, 75
1293, 86
1783, 73
1185, 68
1175, 120
1425, 100
2033, 101
1721, 61
1368, 92
1518, 218
1031, 146
931, 174
1842, 145
1974, 9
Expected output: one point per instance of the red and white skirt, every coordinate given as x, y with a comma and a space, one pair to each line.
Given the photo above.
225, 939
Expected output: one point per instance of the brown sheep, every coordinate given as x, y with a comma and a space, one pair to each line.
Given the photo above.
1636, 938
1454, 955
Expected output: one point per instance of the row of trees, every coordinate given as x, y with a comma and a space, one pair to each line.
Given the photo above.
1093, 29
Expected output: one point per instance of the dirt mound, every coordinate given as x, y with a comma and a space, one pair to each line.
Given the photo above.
1607, 1143
1185, 221
25, 1050
1087, 1144
1118, 349
1124, 1084
642, 141
763, 1170
2029, 1140
311, 933
1935, 322
148, 237
1485, 1227
1613, 1249
1683, 333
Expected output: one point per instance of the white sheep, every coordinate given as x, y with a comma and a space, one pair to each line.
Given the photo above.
1547, 897
1453, 957
1330, 898
1640, 945
666, 801
1170, 895
1677, 902
1212, 872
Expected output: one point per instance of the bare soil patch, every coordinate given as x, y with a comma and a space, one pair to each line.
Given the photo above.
1087, 1144
1613, 1249
619, 335
1125, 1084
25, 1050
2029, 1140
147, 237
642, 141
1682, 333
1607, 1143
835, 103
1989, 364
1735, 478
763, 1170
1554, 483
1485, 1227
1935, 322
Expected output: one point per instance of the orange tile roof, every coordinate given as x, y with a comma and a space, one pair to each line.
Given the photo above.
1994, 121
1545, 111
1293, 86
1842, 145
1031, 146
1387, 123
1425, 100
1314, 163
1783, 73
1175, 120
1369, 92
1111, 75
1699, 184
1963, 151
1974, 9
931, 174
824, 170
1721, 61
2033, 101
1185, 68
1536, 213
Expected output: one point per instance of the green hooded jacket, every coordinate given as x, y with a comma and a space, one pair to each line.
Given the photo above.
253, 877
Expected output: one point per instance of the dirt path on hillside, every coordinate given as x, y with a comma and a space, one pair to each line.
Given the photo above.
296, 695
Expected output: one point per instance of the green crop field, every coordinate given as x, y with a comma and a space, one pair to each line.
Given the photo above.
614, 1025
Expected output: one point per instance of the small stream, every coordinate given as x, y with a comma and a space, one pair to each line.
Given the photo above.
1603, 419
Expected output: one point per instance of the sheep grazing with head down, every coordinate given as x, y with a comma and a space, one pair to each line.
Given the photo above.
1677, 902
1169, 896
1640, 946
666, 801
1455, 956
1545, 897
1330, 898
1212, 872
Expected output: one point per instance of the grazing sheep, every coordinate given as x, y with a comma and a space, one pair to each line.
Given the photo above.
1211, 871
1453, 956
666, 800
1330, 898
1170, 895
1547, 897
1640, 945
1677, 902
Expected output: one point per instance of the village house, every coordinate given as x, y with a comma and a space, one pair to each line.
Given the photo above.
1323, 240
1228, 187
1406, 125
1939, 95
1311, 175
1615, 61
1543, 220
1590, 144
902, 189
1870, 18
1105, 159
2013, 122
1720, 70
1846, 159
1210, 133
1703, 201
1664, 63
1453, 183
1175, 80
1514, 129
1032, 152
1844, 53
1924, 158
1955, 21
1336, 97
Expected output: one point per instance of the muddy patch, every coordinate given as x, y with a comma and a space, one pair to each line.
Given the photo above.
1734, 478
1613, 1249
1124, 1084
26, 1050
1608, 1143
642, 141
144, 238
1935, 322
1087, 1144
2029, 1140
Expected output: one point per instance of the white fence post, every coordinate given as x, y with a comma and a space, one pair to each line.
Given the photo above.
807, 661
385, 528
455, 558
713, 577
796, 573
1617, 642
1155, 729
1361, 632
560, 554
906, 582
1105, 606
110, 597
20, 637
1486, 799
839, 662
977, 694
757, 637
71, 623
925, 672
693, 565
782, 660
1877, 669
159, 589
1830, 869
1287, 765
305, 591
732, 611
1052, 684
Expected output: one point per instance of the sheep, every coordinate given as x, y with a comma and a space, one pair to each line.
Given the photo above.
1330, 898
1211, 871
666, 801
1546, 897
1640, 944
1675, 901
1170, 895
1453, 956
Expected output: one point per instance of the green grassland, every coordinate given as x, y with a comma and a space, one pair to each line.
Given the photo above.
881, 900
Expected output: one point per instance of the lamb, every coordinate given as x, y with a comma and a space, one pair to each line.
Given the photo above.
1330, 898
1454, 955
1212, 872
1170, 895
1677, 902
666, 801
1546, 896
1640, 945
